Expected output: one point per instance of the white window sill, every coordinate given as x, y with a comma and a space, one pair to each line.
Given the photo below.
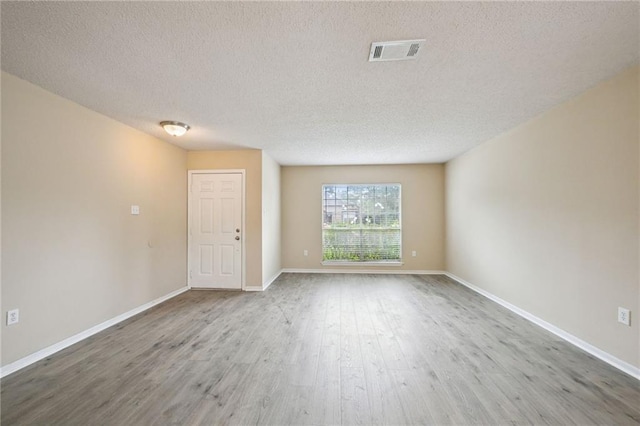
348, 263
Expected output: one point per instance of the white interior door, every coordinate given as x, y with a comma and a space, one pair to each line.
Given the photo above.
215, 230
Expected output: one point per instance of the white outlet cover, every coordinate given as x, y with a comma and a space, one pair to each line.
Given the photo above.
13, 316
135, 210
624, 316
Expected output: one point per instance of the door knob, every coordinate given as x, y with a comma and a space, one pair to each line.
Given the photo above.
237, 237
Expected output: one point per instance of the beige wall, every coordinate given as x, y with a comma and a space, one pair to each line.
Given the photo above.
73, 255
251, 161
546, 216
271, 262
422, 211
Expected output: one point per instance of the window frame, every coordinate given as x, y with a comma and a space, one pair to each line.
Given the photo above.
394, 262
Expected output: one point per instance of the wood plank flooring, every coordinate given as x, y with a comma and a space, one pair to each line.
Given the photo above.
323, 349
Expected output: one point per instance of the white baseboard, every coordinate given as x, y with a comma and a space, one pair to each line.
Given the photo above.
346, 270
265, 285
268, 283
50, 350
253, 288
598, 353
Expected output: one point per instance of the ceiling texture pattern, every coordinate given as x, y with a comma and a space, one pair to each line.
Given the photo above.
293, 78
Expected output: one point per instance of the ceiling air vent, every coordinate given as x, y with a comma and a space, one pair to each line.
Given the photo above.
395, 50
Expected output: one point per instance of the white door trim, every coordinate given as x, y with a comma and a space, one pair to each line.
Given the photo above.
244, 227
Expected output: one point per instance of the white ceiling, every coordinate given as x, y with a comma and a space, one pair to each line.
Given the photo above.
292, 78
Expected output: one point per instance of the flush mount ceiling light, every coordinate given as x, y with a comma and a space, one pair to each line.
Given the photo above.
175, 128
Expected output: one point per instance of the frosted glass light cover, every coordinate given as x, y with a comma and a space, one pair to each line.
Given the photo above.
174, 128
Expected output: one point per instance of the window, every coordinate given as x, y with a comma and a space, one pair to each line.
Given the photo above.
361, 223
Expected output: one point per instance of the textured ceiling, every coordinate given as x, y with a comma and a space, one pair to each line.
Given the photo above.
292, 78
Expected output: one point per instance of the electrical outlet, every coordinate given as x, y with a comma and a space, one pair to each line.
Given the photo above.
624, 316
306, 252
413, 253
13, 316
135, 210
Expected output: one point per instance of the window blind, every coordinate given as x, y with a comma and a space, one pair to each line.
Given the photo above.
361, 223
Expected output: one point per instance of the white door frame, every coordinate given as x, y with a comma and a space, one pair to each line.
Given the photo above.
244, 227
